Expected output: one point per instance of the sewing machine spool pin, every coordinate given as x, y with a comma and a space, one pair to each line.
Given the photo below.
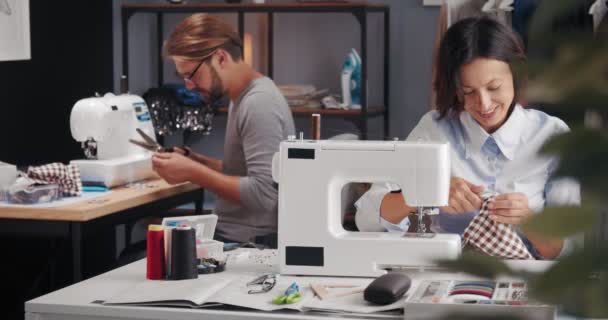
315, 129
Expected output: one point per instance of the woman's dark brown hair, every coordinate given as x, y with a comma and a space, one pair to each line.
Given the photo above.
465, 41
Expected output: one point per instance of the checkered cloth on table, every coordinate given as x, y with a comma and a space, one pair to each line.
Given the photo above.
67, 177
494, 238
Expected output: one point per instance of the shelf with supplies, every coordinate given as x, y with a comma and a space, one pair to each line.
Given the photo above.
359, 10
304, 111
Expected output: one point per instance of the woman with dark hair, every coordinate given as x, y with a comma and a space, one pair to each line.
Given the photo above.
494, 141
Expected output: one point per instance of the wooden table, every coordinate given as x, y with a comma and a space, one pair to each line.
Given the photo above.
123, 204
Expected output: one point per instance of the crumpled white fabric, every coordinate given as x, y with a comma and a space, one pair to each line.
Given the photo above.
460, 9
598, 10
497, 5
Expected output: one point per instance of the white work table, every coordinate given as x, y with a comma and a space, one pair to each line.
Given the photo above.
78, 301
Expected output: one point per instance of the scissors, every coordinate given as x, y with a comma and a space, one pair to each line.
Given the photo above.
150, 143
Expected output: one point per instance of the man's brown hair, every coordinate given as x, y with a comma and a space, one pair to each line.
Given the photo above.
199, 35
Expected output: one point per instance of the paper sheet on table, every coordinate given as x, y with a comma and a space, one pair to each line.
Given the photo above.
193, 292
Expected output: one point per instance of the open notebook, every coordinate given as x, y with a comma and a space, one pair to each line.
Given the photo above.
231, 289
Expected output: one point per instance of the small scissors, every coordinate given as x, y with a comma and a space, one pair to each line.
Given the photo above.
149, 144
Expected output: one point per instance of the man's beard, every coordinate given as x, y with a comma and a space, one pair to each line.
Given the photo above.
217, 88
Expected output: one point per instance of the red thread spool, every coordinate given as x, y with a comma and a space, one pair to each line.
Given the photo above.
155, 246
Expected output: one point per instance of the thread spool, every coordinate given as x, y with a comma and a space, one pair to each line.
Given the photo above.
315, 128
155, 253
168, 230
183, 254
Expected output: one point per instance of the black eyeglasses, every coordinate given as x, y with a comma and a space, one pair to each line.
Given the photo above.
188, 79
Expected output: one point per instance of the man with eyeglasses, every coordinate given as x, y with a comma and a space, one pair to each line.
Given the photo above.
207, 53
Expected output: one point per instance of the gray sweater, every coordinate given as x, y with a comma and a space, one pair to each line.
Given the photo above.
257, 122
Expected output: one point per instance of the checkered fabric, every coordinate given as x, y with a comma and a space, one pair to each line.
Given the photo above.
66, 176
494, 238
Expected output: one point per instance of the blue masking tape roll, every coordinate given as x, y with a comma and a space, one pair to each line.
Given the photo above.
95, 189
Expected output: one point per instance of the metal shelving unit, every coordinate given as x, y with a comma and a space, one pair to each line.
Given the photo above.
359, 9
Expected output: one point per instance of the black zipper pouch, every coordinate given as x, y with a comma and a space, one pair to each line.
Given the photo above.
387, 288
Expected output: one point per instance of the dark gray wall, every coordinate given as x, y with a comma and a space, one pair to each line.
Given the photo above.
310, 48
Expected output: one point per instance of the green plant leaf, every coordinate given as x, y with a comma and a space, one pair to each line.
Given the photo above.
572, 76
584, 299
562, 222
575, 268
477, 264
583, 153
574, 283
545, 16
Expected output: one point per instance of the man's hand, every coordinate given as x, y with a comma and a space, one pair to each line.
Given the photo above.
185, 151
464, 196
510, 208
173, 166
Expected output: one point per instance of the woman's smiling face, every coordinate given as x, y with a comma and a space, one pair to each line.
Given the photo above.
487, 91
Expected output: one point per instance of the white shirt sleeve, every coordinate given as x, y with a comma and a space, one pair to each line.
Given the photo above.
562, 192
367, 217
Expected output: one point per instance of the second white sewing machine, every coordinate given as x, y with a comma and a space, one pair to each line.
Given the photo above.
104, 126
311, 175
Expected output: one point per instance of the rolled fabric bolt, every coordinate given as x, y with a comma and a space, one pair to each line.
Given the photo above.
155, 253
315, 129
183, 254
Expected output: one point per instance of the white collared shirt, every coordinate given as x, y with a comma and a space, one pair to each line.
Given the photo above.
506, 161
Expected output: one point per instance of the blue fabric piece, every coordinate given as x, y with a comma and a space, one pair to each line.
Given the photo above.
194, 98
185, 96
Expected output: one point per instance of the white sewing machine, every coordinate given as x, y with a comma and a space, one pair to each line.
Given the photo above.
104, 126
8, 175
311, 175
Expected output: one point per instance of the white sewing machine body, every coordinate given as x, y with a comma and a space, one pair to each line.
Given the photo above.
109, 122
311, 175
8, 175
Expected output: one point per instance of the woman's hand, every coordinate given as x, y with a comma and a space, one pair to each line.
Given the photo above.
510, 208
464, 196
173, 167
